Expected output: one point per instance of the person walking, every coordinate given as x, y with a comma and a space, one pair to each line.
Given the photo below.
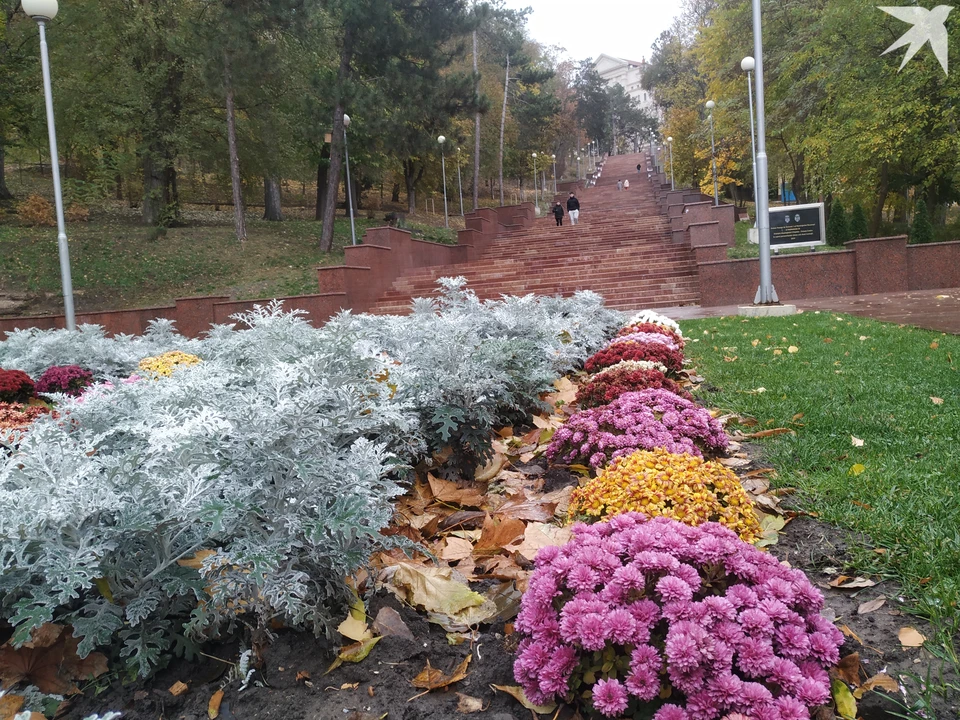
619, 184
558, 214
573, 209
626, 183
638, 168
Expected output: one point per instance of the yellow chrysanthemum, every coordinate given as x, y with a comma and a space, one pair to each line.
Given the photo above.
662, 484
164, 365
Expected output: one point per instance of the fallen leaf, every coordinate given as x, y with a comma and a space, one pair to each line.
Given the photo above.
754, 342
213, 707
910, 638
354, 629
433, 588
526, 507
516, 692
849, 669
880, 680
936, 400
178, 688
195, 561
541, 535
389, 624
727, 358
770, 527
10, 705
846, 704
52, 664
828, 340
844, 582
770, 433
456, 549
871, 605
850, 633
498, 533
856, 469
934, 345
734, 462
489, 471
445, 491
467, 704
793, 349
302, 675
432, 679
778, 351
353, 653
857, 442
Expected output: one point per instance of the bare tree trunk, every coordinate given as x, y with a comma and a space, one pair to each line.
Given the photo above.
322, 173
333, 180
155, 195
271, 200
239, 221
411, 177
882, 192
5, 193
476, 133
395, 193
503, 122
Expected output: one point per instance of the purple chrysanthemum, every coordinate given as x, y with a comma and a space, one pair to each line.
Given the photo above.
610, 697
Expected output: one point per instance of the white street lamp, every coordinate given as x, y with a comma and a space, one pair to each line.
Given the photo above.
43, 11
443, 164
747, 65
536, 198
346, 155
578, 169
765, 293
670, 145
459, 182
713, 152
554, 158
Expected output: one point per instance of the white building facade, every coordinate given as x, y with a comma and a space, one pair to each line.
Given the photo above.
628, 74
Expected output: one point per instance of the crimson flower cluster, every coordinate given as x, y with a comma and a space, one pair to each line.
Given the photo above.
642, 337
619, 351
653, 328
607, 386
67, 379
15, 386
726, 626
642, 420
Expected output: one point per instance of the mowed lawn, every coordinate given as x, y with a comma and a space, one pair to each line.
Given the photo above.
837, 380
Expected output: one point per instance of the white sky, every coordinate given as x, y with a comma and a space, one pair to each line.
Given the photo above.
586, 28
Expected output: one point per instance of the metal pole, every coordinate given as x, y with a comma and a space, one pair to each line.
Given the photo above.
62, 245
443, 164
672, 185
536, 197
554, 176
713, 154
346, 155
766, 292
753, 145
459, 182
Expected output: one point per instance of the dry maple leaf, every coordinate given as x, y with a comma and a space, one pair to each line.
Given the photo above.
55, 667
432, 679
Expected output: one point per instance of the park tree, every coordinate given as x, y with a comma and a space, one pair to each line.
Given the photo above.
922, 229
859, 228
838, 229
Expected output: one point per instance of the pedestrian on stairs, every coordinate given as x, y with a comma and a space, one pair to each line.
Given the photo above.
626, 183
573, 209
558, 214
638, 168
619, 184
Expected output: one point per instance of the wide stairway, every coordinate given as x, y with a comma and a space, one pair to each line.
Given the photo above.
621, 248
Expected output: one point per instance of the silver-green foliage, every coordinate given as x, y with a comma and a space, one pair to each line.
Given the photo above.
278, 456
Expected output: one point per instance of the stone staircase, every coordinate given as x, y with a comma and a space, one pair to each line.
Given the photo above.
622, 248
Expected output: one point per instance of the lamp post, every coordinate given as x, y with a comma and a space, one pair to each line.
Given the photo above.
747, 65
459, 182
579, 174
766, 293
443, 164
670, 145
554, 158
713, 152
536, 198
346, 155
42, 11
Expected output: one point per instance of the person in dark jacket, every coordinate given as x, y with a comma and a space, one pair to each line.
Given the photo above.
558, 213
573, 209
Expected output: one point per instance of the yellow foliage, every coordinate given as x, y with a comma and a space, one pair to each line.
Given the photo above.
164, 365
663, 484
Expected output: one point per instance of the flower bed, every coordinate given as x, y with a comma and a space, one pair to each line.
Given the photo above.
642, 420
646, 337
66, 379
632, 606
605, 387
662, 484
17, 416
617, 352
166, 364
648, 327
15, 386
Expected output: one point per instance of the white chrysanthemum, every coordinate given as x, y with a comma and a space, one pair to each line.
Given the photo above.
633, 365
649, 316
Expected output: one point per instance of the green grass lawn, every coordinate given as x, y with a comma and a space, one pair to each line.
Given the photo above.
850, 379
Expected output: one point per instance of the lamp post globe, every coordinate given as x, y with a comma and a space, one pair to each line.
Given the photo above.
441, 139
748, 64
710, 105
346, 121
40, 9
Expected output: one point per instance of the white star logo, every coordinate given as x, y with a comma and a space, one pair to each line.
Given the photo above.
928, 26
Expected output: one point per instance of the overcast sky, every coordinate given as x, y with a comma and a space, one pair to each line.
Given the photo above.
586, 28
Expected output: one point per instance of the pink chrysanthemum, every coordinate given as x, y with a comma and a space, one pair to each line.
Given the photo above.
610, 697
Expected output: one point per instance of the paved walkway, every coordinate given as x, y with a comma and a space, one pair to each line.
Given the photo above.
930, 309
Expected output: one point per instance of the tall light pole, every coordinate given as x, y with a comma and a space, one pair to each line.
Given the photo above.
554, 158
536, 198
43, 11
747, 65
459, 182
346, 155
579, 174
443, 164
670, 145
766, 293
713, 152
